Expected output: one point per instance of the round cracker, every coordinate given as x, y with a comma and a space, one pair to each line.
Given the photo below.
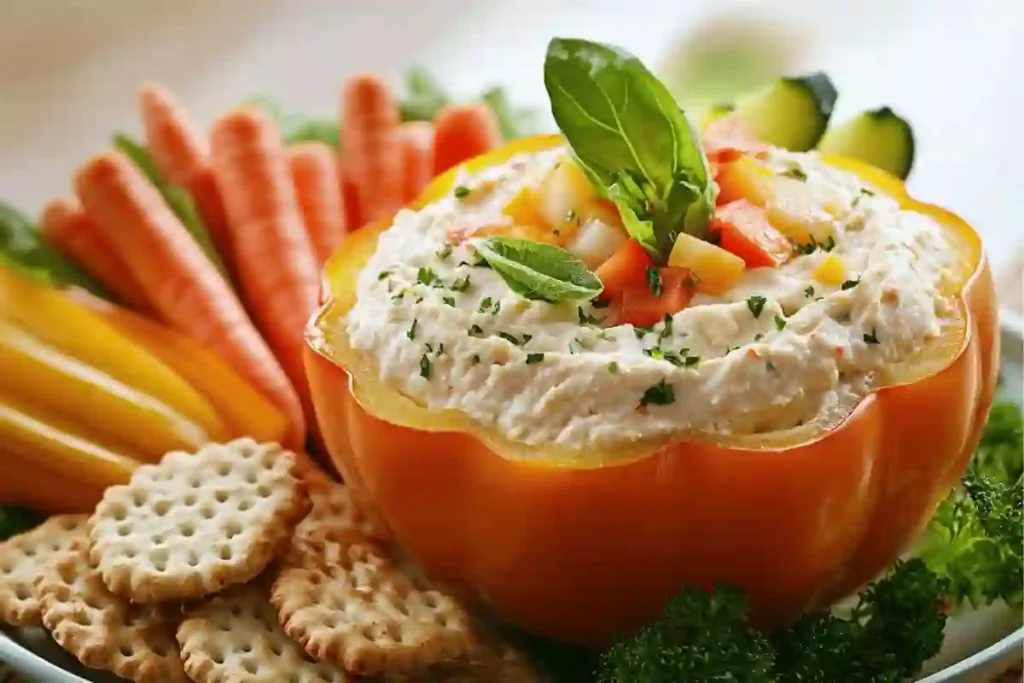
22, 560
341, 597
193, 525
103, 631
235, 638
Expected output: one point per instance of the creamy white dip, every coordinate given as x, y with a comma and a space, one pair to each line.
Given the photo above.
534, 372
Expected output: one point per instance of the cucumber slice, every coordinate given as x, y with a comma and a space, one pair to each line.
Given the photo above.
791, 113
879, 137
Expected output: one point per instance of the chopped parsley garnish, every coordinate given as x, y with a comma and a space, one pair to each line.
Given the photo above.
829, 244
690, 361
654, 280
730, 349
527, 338
461, 285
601, 303
613, 368
426, 276
450, 300
445, 252
780, 322
666, 329
660, 394
532, 358
641, 331
794, 172
770, 366
497, 308
570, 215
509, 338
807, 248
811, 246
809, 292
426, 367
474, 359
756, 305
486, 304
866, 191
461, 191
586, 319
850, 284
411, 334
758, 337
476, 331
440, 348
655, 353
383, 274
871, 338
398, 296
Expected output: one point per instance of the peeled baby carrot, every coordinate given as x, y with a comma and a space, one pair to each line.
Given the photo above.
67, 229
177, 278
182, 156
462, 132
418, 150
277, 270
350, 201
176, 145
314, 169
372, 146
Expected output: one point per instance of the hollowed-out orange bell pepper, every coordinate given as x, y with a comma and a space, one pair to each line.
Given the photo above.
582, 545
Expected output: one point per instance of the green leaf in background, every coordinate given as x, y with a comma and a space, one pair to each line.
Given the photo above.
539, 271
178, 198
514, 122
631, 138
15, 519
23, 248
424, 96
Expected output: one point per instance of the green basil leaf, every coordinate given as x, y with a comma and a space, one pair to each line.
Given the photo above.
539, 271
177, 198
23, 249
632, 140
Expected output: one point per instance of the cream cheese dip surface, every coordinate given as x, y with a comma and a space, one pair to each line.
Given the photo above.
774, 351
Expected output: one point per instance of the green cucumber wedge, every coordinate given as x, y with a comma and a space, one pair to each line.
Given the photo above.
879, 137
792, 113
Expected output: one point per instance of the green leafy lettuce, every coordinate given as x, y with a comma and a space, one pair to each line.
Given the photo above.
23, 248
632, 140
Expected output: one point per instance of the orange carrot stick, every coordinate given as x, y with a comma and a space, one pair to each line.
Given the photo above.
350, 200
418, 146
373, 146
314, 169
68, 230
182, 156
277, 270
177, 278
462, 132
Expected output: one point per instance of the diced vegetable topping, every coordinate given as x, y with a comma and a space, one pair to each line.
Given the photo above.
831, 271
627, 268
641, 307
715, 268
745, 231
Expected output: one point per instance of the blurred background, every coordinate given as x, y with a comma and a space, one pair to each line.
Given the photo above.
69, 70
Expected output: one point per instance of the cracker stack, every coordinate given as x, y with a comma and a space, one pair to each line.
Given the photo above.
241, 562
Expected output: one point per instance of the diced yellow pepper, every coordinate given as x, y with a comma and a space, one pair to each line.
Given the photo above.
45, 377
745, 178
54, 318
566, 198
523, 208
831, 271
717, 269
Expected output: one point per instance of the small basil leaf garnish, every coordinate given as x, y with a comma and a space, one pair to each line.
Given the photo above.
631, 138
539, 271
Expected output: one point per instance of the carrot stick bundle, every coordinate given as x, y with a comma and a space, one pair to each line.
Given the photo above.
314, 170
67, 229
277, 270
178, 280
372, 146
418, 151
182, 155
462, 132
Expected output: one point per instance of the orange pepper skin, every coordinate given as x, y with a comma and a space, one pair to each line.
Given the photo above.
582, 554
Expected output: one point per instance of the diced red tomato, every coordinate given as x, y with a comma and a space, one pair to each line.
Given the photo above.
640, 306
747, 233
624, 269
